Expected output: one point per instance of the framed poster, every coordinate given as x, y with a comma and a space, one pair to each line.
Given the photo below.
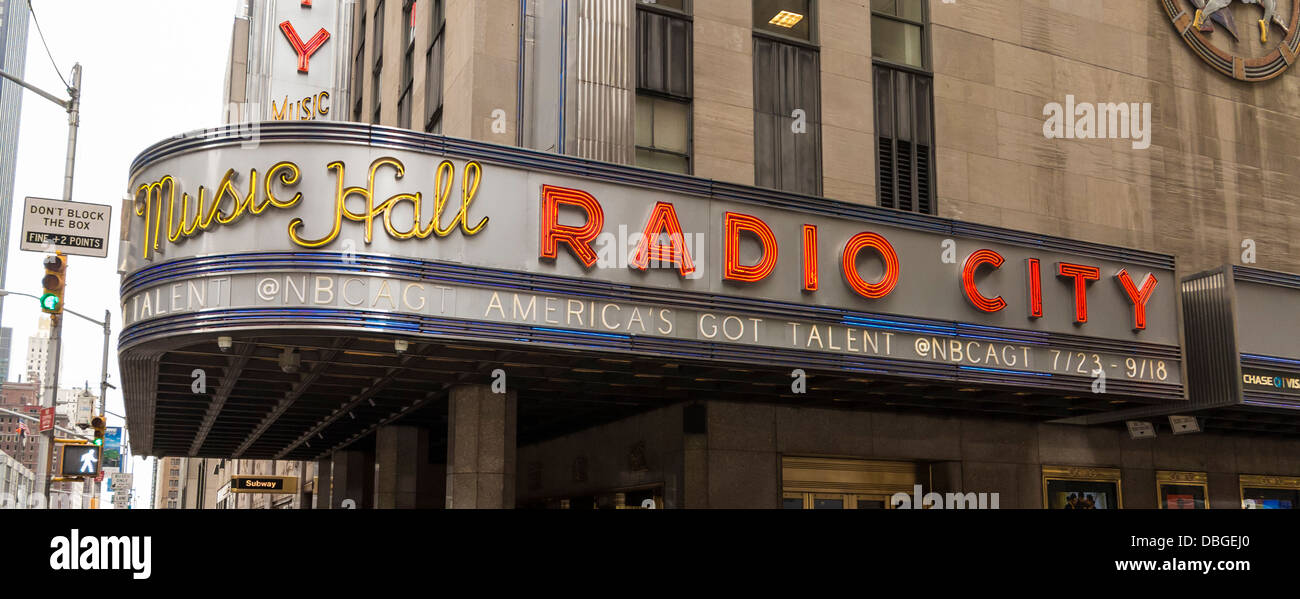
1081, 488
1182, 490
1269, 492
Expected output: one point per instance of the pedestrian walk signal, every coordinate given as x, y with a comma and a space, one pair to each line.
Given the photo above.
79, 460
56, 267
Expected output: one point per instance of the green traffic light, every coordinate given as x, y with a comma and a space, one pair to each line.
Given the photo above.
49, 301
99, 442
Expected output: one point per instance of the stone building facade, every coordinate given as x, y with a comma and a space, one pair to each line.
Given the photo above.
921, 106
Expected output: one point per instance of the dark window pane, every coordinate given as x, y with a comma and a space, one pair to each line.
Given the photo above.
907, 9
663, 134
671, 123
897, 41
828, 504
379, 31
663, 109
787, 116
357, 73
408, 23
663, 53
433, 83
375, 80
661, 161
910, 9
904, 142
791, 18
673, 4
645, 121
792, 503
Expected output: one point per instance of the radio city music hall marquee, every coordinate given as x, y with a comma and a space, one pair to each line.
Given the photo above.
613, 265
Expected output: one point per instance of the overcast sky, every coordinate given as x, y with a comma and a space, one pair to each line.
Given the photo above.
150, 69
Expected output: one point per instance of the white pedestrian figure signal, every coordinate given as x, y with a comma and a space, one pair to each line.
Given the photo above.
88, 462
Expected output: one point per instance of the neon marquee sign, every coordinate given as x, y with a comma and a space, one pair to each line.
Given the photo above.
663, 240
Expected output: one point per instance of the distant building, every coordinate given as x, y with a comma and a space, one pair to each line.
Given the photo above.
13, 57
23, 443
167, 481
38, 353
16, 481
204, 483
6, 346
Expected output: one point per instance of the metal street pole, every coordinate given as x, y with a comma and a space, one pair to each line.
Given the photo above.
45, 459
74, 118
103, 403
103, 373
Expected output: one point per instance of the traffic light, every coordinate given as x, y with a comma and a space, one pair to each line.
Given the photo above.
98, 423
56, 267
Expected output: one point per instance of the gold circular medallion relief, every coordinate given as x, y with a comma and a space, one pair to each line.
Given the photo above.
1248, 40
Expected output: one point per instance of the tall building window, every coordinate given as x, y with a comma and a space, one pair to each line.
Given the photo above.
663, 85
787, 97
377, 75
433, 68
904, 103
408, 65
358, 66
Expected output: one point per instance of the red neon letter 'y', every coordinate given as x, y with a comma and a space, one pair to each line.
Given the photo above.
1139, 297
304, 50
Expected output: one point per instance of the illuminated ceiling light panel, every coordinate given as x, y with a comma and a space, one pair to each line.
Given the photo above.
786, 19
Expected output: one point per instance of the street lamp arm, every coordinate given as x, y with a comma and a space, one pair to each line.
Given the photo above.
4, 292
98, 322
42, 93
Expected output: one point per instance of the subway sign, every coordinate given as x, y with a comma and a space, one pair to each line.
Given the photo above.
530, 249
263, 484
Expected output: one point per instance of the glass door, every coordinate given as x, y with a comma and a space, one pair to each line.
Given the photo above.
817, 483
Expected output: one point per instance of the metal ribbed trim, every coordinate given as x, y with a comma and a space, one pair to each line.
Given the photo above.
1213, 368
1268, 277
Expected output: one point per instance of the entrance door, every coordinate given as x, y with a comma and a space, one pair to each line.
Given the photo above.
835, 501
810, 483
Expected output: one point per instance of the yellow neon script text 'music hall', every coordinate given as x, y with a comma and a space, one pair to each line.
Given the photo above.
156, 202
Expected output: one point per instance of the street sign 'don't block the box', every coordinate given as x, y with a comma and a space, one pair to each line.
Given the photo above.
74, 228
